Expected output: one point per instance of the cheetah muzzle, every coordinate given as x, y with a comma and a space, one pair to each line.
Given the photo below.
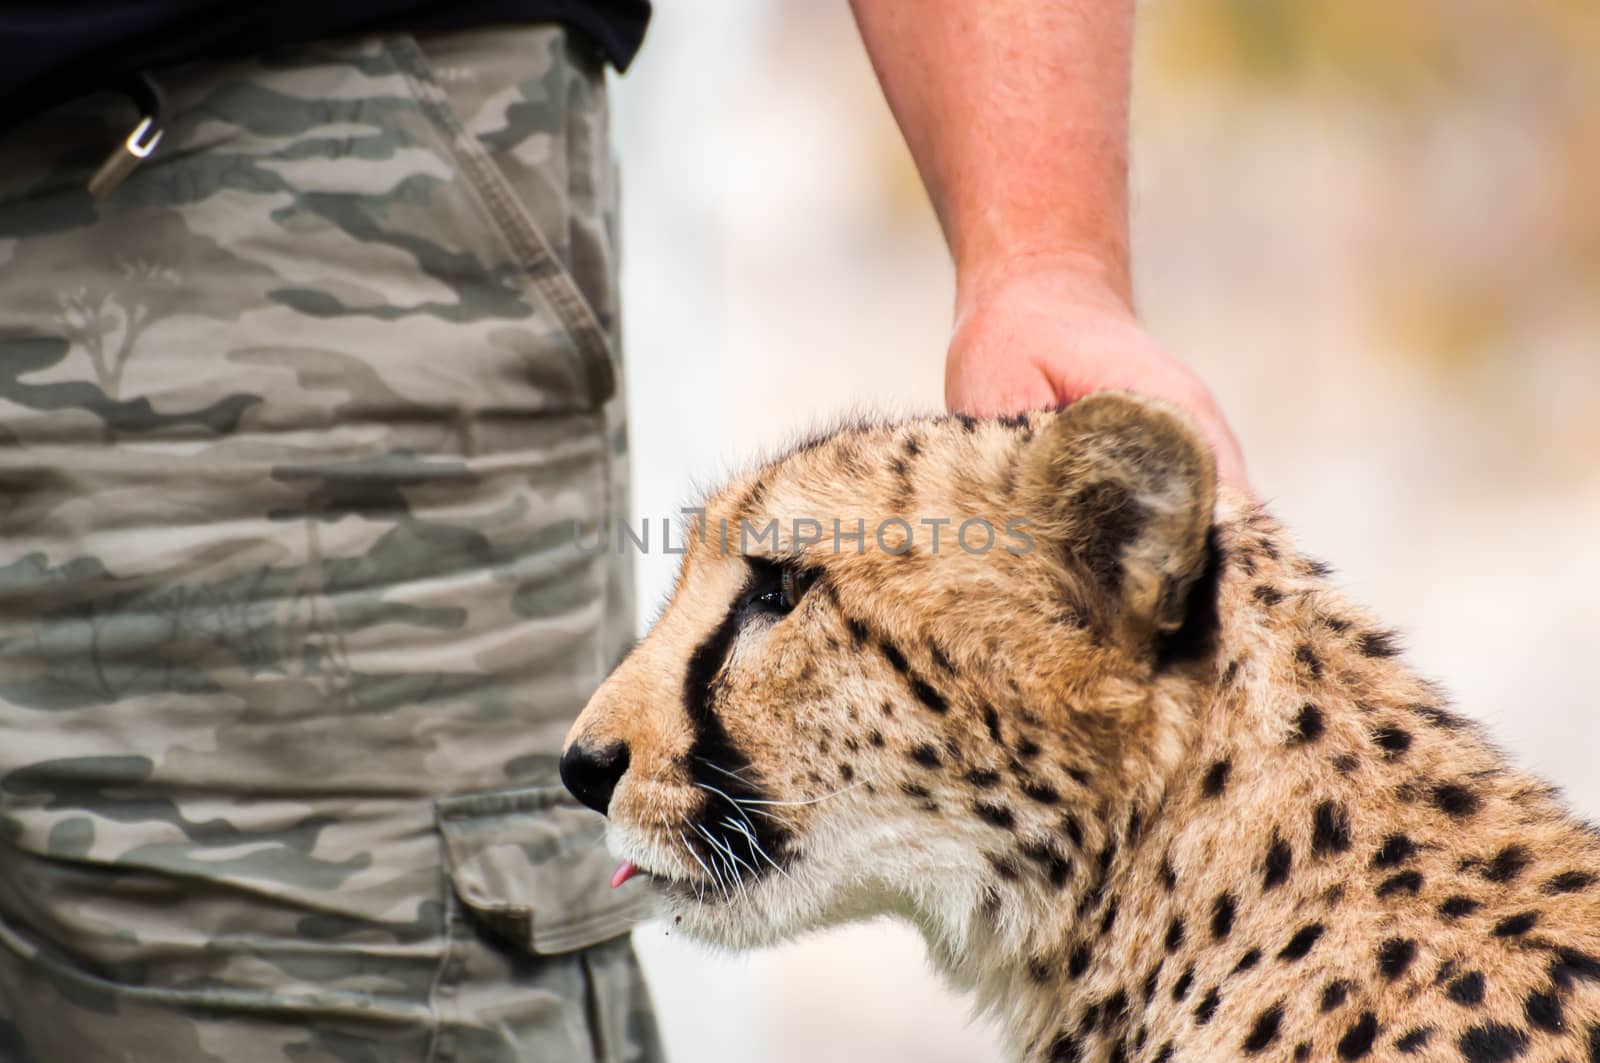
1148, 785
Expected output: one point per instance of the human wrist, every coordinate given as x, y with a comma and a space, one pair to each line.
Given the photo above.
1077, 277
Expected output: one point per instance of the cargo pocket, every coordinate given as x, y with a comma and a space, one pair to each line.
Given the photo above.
529, 863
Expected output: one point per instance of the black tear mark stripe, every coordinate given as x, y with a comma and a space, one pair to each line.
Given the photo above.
718, 764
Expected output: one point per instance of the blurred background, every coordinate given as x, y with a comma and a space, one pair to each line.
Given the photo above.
1373, 227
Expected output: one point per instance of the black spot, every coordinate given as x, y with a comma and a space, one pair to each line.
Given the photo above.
1038, 971
1404, 882
897, 660
1078, 775
1392, 740
876, 738
927, 695
997, 815
1308, 657
1216, 778
846, 772
1135, 821
1222, 912
1247, 961
1078, 962
1169, 877
1150, 982
1318, 569
1279, 859
1064, 1049
1072, 829
1056, 866
1395, 956
1515, 925
1174, 935
1492, 1042
1378, 644
1308, 725
1334, 994
1301, 943
983, 779
1569, 882
1043, 793
1412, 1041
1395, 850
1358, 1038
1571, 965
1114, 1009
1507, 864
1454, 800
1594, 1042
1180, 988
1264, 1030
1108, 852
1456, 907
1207, 1007
1467, 990
1441, 718
991, 720
1543, 1010
858, 632
1330, 828
1267, 595
911, 789
1003, 866
1027, 749
1302, 1051
1344, 763
1108, 920
1165, 1054
927, 756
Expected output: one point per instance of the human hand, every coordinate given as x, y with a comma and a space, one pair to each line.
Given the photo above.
1042, 334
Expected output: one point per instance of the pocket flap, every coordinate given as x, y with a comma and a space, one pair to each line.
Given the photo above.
531, 862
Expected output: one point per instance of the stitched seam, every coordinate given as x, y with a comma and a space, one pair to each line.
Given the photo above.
528, 246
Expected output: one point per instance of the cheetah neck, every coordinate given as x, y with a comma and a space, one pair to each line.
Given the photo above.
1309, 746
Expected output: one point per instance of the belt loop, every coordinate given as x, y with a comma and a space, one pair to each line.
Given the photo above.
147, 97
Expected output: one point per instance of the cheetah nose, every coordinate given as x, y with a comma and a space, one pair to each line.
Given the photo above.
592, 774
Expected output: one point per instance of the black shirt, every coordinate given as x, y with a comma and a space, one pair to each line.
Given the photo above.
51, 51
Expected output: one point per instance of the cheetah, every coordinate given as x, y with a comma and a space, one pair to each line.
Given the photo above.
1148, 785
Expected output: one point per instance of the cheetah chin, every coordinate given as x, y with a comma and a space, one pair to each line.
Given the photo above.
1148, 784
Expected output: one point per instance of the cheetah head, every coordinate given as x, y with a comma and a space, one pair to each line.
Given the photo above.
902, 665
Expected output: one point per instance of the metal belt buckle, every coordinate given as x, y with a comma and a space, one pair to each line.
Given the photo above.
139, 144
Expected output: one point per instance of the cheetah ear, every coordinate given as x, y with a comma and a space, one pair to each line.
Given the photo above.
1126, 486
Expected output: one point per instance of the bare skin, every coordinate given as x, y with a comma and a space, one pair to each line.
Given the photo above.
1016, 112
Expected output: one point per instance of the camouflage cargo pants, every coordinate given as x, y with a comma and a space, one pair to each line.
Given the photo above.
295, 429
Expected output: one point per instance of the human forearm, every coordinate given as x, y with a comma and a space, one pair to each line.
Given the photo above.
1016, 114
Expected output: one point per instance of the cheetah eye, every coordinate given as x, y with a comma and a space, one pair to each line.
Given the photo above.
777, 587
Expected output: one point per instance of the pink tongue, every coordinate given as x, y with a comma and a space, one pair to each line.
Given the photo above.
624, 872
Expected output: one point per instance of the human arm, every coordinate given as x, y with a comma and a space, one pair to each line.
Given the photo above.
1016, 113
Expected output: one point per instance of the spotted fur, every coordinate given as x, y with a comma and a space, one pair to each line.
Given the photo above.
1152, 789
